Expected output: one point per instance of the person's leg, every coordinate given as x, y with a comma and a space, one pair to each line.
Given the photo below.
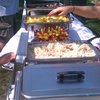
9, 20
10, 26
2, 43
2, 34
7, 29
12, 21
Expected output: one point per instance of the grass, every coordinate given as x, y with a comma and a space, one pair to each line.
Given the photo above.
5, 76
94, 25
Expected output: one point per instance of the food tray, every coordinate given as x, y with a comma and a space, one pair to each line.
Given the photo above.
49, 33
43, 6
38, 11
32, 23
45, 19
40, 82
32, 3
41, 1
48, 25
74, 58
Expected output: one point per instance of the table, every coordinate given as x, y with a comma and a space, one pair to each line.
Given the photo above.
77, 31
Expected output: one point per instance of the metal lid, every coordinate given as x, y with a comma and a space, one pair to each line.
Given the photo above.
40, 81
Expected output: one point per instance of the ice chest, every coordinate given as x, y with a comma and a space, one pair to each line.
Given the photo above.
40, 82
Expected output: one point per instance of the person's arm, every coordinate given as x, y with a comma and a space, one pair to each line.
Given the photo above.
97, 4
7, 58
85, 11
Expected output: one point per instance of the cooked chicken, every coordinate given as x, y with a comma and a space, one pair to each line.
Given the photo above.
63, 50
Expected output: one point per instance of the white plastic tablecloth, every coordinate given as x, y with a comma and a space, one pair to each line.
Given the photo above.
77, 31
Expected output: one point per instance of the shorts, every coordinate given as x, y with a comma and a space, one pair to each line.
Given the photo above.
6, 27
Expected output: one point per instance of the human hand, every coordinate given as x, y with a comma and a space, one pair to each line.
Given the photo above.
7, 58
61, 10
97, 4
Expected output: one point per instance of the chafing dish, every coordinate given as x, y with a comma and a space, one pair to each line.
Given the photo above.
62, 51
41, 7
48, 27
28, 51
41, 3
40, 82
54, 81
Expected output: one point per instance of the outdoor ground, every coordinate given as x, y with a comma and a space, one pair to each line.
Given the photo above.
5, 76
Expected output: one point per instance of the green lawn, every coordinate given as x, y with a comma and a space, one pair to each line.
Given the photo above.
94, 24
5, 76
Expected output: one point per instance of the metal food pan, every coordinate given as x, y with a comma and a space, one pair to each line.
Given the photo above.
32, 46
41, 1
37, 26
33, 26
43, 5
40, 82
29, 3
48, 4
51, 31
41, 8
38, 11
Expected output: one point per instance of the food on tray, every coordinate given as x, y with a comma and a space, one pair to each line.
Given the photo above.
62, 50
50, 5
38, 19
43, 5
51, 33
